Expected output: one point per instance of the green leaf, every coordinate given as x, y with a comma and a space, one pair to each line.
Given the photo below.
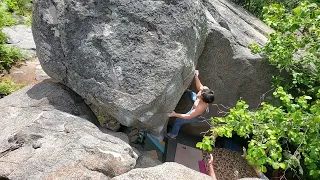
199, 145
275, 165
307, 97
205, 147
313, 166
296, 10
312, 172
282, 165
294, 27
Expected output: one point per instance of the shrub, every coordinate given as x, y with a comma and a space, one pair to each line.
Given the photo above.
9, 56
28, 21
6, 18
7, 86
3, 38
256, 6
20, 7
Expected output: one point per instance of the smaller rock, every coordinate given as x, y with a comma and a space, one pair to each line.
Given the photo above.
136, 151
21, 37
18, 72
145, 160
36, 145
134, 138
166, 171
11, 139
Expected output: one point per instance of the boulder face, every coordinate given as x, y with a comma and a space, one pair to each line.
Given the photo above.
227, 65
45, 134
131, 60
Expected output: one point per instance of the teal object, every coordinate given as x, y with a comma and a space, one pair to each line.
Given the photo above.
156, 142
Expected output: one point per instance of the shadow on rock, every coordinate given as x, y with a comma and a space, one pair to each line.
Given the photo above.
61, 98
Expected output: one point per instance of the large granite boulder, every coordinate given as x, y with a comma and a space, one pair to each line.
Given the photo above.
131, 60
227, 65
166, 171
46, 134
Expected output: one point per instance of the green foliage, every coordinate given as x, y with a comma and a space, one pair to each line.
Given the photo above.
100, 118
206, 144
295, 46
7, 86
3, 38
8, 8
279, 136
9, 56
6, 18
12, 5
284, 135
28, 21
256, 6
20, 7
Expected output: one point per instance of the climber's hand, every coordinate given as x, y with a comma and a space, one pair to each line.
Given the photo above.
172, 114
196, 72
211, 159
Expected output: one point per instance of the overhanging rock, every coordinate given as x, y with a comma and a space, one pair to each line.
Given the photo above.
227, 64
131, 60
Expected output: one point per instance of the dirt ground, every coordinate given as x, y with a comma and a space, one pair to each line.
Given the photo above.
27, 73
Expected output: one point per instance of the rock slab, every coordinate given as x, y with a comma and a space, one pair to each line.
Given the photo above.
21, 37
166, 171
46, 134
131, 60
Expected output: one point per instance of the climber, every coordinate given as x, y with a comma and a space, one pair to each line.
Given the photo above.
201, 103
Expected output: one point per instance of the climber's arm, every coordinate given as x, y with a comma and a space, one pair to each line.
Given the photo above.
210, 168
198, 82
194, 113
211, 171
